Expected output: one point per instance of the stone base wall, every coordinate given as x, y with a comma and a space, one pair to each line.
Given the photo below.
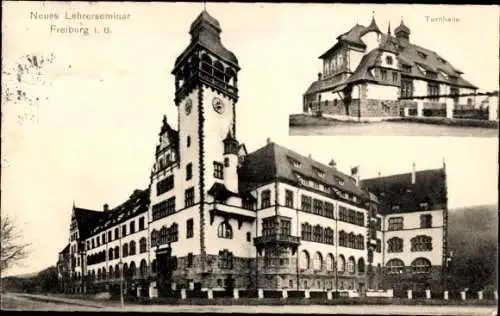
417, 282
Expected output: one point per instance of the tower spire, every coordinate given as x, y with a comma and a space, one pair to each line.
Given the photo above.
389, 29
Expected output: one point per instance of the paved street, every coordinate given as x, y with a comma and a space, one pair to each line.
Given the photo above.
392, 129
45, 303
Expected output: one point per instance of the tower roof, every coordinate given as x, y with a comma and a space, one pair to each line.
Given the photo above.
373, 27
205, 32
402, 28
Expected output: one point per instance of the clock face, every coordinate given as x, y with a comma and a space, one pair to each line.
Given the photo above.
218, 105
188, 106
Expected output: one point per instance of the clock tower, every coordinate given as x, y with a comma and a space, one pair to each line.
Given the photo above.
205, 95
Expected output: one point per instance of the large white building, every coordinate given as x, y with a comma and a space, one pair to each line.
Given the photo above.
216, 217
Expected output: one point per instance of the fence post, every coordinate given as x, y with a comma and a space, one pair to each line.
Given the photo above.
329, 295
390, 293
410, 294
445, 295
236, 294
428, 294
480, 295
284, 293
420, 108
462, 295
210, 294
261, 293
307, 294
183, 294
496, 295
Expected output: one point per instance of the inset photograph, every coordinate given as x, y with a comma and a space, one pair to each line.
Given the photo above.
404, 71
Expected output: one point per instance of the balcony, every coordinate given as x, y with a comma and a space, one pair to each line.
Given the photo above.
276, 239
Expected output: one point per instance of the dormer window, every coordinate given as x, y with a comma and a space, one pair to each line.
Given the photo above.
431, 74
294, 162
422, 55
319, 172
339, 180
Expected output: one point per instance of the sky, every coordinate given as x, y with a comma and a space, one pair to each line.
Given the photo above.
89, 138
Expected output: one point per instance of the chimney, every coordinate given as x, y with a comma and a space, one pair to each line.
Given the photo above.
319, 75
413, 174
105, 207
379, 173
309, 156
268, 140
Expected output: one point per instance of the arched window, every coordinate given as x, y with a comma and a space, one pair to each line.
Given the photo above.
99, 274
421, 265
304, 260
330, 262
351, 265
153, 266
329, 236
110, 254
117, 271
351, 240
111, 274
125, 250
341, 264
318, 233
306, 231
395, 266
421, 243
318, 261
342, 239
125, 270
360, 242
224, 230
154, 238
395, 244
132, 270
230, 75
206, 64
132, 248
93, 275
117, 252
143, 267
103, 274
361, 266
143, 245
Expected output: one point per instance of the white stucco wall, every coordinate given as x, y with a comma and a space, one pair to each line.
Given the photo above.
381, 92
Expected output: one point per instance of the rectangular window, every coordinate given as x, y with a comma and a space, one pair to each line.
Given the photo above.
406, 88
249, 237
394, 76
190, 260
383, 74
189, 197
132, 227
117, 233
225, 260
379, 224
454, 93
432, 89
329, 209
218, 170
426, 221
189, 171
395, 223
189, 228
265, 199
141, 223
289, 198
103, 237
269, 226
318, 207
248, 204
110, 235
306, 203
285, 227
165, 185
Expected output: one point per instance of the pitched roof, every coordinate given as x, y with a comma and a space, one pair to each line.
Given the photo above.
273, 162
90, 222
407, 53
429, 187
205, 32
65, 250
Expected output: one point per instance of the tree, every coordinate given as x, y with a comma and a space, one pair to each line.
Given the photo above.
12, 249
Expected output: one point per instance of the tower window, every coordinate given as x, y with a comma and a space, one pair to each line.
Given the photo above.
189, 197
189, 171
188, 141
226, 162
383, 74
265, 199
218, 170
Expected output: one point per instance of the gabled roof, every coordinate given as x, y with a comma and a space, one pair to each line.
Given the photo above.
91, 222
272, 162
65, 250
429, 187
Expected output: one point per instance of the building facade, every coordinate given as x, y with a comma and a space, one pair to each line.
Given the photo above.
217, 217
371, 74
